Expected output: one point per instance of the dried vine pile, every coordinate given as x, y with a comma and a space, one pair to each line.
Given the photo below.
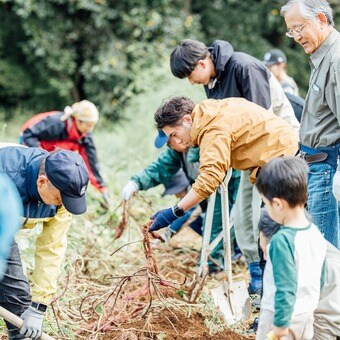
136, 292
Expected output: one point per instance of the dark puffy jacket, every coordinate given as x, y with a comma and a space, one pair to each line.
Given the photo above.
22, 166
238, 75
47, 131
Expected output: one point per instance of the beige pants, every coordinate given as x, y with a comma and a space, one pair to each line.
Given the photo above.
321, 332
246, 218
301, 327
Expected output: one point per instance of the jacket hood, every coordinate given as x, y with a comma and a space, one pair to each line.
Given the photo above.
202, 115
221, 53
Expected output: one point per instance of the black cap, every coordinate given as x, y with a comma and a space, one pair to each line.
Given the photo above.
273, 57
177, 184
67, 172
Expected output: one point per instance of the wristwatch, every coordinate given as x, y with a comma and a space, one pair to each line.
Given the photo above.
178, 212
39, 306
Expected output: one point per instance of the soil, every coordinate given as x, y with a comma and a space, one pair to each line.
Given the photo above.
126, 300
168, 326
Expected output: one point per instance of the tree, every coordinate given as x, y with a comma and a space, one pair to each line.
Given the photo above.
70, 50
255, 26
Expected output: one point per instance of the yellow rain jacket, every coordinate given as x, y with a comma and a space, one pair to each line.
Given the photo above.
236, 133
50, 251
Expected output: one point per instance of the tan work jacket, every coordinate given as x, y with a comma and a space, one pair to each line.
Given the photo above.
236, 133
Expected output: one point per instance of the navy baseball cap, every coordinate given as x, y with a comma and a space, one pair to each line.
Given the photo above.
67, 171
161, 139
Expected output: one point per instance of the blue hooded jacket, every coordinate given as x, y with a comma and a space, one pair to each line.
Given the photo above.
21, 165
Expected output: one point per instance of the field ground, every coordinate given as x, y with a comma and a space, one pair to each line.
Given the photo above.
104, 296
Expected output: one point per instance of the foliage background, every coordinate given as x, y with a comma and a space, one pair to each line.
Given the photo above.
55, 52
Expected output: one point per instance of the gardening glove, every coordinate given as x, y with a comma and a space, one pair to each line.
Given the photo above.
106, 200
33, 322
336, 184
162, 219
130, 188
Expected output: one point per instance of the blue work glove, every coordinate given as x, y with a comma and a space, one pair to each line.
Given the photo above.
33, 323
162, 219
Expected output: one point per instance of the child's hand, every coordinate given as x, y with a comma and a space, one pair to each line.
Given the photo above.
279, 332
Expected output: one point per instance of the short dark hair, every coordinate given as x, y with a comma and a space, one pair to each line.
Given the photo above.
268, 226
185, 57
172, 110
286, 178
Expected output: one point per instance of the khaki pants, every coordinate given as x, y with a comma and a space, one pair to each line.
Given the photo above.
322, 331
301, 327
327, 314
247, 215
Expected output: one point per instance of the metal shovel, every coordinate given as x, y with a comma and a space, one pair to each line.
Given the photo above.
231, 298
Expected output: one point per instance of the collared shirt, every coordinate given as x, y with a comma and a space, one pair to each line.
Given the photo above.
320, 121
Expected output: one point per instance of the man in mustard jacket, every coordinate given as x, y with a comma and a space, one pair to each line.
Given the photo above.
231, 132
52, 187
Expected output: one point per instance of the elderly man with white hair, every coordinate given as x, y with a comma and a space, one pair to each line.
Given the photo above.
310, 24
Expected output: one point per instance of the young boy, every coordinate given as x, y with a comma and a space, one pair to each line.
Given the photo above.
327, 314
295, 254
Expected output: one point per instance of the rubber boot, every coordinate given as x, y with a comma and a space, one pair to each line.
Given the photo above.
255, 285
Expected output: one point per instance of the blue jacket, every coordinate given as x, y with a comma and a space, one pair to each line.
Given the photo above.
21, 165
10, 211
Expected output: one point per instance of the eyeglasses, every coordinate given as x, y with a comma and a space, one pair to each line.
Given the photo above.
296, 31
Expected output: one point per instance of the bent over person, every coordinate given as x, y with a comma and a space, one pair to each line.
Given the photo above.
52, 187
226, 73
230, 133
70, 129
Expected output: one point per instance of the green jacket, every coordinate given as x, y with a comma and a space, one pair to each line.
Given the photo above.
166, 165
169, 162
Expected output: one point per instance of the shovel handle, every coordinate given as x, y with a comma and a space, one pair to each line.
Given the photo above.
226, 226
16, 321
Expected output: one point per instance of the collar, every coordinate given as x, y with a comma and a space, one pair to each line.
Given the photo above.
317, 57
212, 83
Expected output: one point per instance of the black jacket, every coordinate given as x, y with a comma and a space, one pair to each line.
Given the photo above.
238, 75
48, 132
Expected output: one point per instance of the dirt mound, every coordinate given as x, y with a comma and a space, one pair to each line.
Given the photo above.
168, 326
